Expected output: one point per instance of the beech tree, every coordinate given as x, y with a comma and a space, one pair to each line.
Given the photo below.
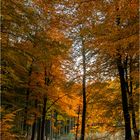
120, 42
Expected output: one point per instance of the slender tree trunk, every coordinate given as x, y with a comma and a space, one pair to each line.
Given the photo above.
131, 103
39, 129
77, 124
34, 124
51, 128
84, 94
136, 133
47, 83
43, 119
33, 130
124, 100
25, 127
47, 126
26, 109
121, 71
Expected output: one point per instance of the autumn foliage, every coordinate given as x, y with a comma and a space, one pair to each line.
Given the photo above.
69, 69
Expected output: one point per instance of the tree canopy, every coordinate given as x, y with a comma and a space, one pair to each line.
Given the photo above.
69, 69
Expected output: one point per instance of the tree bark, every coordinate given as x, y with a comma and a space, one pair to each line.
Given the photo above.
84, 94
128, 135
43, 119
136, 133
121, 71
25, 127
34, 124
39, 129
33, 130
131, 102
47, 126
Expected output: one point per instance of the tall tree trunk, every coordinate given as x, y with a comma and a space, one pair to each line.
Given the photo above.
34, 124
84, 94
51, 128
25, 127
121, 71
39, 129
43, 119
26, 111
33, 130
131, 102
136, 133
124, 99
47, 83
77, 124
47, 127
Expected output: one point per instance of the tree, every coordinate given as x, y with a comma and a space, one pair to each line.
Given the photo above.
119, 41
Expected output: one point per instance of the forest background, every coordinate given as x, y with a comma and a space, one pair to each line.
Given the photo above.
69, 69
